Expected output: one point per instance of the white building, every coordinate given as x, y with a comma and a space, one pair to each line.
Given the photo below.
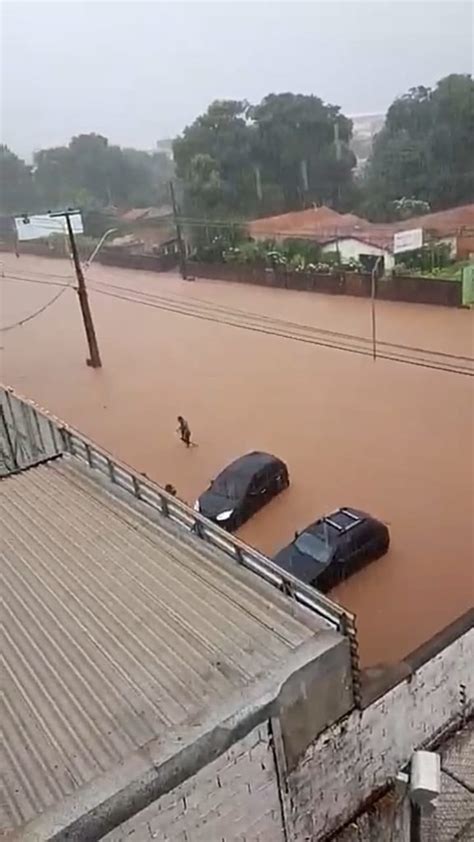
360, 249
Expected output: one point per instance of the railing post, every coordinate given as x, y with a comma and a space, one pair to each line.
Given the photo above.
136, 487
111, 468
89, 455
64, 435
238, 554
287, 588
197, 529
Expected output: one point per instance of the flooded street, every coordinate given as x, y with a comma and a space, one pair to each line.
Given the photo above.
392, 438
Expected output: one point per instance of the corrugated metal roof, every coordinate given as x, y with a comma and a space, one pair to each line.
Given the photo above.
117, 628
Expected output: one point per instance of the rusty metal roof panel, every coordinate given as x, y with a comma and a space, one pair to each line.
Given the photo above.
117, 628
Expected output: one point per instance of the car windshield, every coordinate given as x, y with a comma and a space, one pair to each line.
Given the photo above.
232, 486
314, 546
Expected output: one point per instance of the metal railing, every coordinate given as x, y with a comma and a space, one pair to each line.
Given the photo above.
50, 437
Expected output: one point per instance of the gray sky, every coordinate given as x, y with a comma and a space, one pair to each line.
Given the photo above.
139, 71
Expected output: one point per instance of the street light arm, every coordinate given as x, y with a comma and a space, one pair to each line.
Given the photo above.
99, 246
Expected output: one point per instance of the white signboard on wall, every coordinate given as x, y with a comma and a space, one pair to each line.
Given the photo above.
42, 225
408, 240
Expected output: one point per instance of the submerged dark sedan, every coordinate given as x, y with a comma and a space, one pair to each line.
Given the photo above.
333, 547
242, 489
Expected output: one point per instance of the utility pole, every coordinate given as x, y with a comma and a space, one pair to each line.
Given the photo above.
373, 296
94, 359
179, 236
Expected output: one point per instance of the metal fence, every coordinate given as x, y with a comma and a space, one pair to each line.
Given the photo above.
26, 435
29, 436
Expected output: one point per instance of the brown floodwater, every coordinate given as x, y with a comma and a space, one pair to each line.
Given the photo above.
394, 439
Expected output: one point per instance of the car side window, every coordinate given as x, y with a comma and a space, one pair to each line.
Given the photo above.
346, 546
259, 482
357, 540
253, 486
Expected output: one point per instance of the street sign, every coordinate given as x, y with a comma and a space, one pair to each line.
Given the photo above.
42, 225
408, 240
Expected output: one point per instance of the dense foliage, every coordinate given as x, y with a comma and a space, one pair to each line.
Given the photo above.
89, 173
291, 150
230, 244
425, 150
285, 153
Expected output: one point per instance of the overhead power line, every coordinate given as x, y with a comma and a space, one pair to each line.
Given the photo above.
38, 312
236, 317
296, 332
27, 280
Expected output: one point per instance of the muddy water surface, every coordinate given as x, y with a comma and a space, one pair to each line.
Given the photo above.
394, 439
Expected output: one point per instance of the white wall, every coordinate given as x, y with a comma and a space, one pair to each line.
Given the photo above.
363, 752
351, 249
452, 242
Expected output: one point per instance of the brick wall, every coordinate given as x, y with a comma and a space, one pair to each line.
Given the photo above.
234, 798
400, 288
359, 756
387, 820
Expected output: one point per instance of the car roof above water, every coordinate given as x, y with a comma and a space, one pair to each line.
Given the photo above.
246, 466
340, 521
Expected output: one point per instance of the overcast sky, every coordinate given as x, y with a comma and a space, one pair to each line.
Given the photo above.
140, 71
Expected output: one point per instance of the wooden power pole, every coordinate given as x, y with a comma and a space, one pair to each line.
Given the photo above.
94, 356
179, 236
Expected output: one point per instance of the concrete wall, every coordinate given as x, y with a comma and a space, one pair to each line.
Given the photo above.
110, 256
126, 260
359, 756
234, 798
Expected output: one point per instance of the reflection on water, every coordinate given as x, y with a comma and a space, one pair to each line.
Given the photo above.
393, 439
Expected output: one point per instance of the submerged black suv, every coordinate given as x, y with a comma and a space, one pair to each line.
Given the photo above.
333, 547
242, 489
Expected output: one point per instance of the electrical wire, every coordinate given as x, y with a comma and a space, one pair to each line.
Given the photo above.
43, 274
36, 313
437, 360
341, 346
23, 279
274, 321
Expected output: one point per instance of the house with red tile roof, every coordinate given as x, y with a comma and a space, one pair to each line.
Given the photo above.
356, 238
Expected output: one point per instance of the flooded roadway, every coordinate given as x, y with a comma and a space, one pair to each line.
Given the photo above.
392, 438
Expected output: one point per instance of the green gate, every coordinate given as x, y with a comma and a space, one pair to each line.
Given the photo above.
468, 286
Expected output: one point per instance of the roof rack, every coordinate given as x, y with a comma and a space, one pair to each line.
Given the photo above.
330, 520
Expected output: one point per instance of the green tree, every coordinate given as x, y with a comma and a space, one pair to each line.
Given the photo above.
425, 149
92, 173
16, 183
284, 153
302, 144
53, 178
213, 159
